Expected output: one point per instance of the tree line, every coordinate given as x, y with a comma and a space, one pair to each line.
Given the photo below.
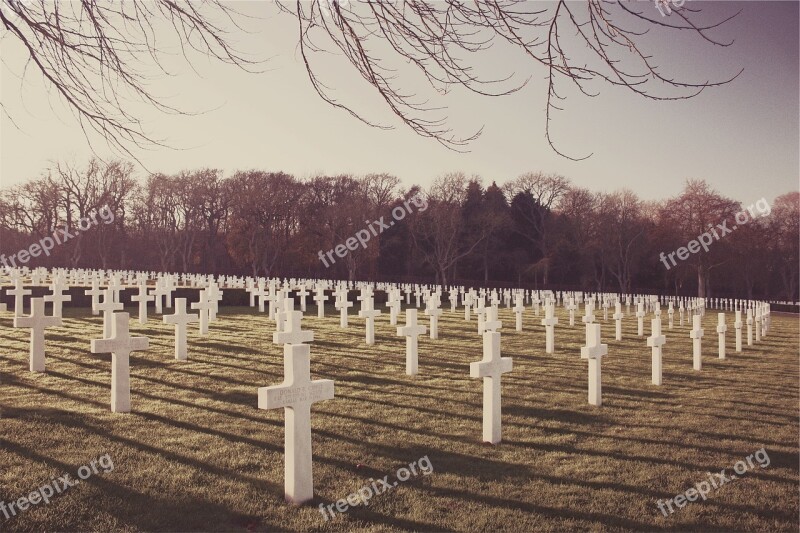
536, 230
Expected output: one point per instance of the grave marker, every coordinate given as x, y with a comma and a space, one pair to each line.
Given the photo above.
120, 344
295, 395
491, 368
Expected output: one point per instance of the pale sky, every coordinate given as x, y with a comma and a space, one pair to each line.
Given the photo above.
742, 138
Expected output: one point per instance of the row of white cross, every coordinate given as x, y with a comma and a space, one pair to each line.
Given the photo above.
298, 392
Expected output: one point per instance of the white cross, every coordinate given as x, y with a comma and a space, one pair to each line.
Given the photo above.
369, 313
19, 293
749, 326
670, 312
108, 306
203, 305
181, 319
57, 297
169, 287
214, 296
411, 331
38, 321
433, 311
393, 303
115, 287
158, 292
594, 351
640, 318
142, 297
320, 298
342, 304
549, 322
262, 297
519, 307
588, 318
453, 298
617, 316
721, 329
572, 307
492, 323
295, 395
656, 340
120, 344
697, 335
491, 368
292, 331
95, 293
302, 293
738, 326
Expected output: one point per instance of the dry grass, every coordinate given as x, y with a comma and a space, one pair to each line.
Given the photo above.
196, 453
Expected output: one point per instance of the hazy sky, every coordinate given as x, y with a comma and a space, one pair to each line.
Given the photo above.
742, 138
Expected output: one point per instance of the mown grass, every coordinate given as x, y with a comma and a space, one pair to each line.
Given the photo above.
196, 454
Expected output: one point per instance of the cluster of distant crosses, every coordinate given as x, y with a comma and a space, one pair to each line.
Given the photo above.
298, 391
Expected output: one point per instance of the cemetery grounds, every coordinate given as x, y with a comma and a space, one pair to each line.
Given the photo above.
196, 454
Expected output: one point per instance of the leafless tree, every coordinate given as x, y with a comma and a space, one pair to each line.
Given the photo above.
574, 43
95, 54
437, 231
91, 53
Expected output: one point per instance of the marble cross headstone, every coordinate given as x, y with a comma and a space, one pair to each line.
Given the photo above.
588, 318
670, 312
37, 321
738, 326
721, 329
57, 297
292, 331
433, 311
640, 318
295, 395
519, 308
491, 368
120, 344
19, 292
618, 321
202, 306
369, 312
142, 297
157, 293
302, 292
342, 304
108, 306
95, 293
697, 338
549, 322
320, 298
491, 322
262, 296
656, 340
758, 323
411, 331
572, 307
749, 326
181, 319
594, 352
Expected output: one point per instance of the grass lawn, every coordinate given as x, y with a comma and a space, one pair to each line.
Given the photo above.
195, 453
